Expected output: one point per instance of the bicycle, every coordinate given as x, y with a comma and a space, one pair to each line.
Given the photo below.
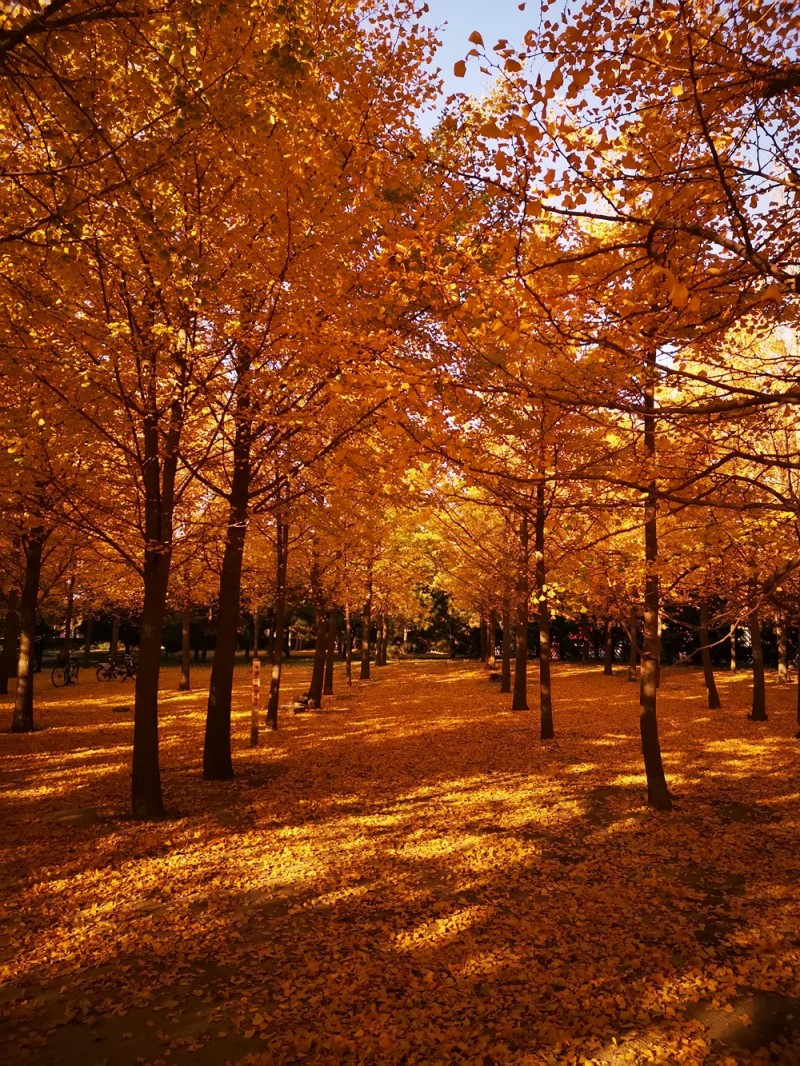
65, 673
117, 671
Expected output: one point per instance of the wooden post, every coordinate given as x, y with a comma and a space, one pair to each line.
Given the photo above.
256, 698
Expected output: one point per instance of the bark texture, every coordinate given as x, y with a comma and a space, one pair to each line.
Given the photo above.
519, 700
759, 711
366, 626
547, 731
657, 792
705, 651
32, 547
281, 560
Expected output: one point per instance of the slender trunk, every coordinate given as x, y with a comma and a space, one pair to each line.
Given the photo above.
366, 624
217, 762
87, 642
657, 792
281, 557
270, 631
159, 470
759, 712
483, 639
519, 701
380, 640
32, 546
634, 635
492, 638
505, 673
69, 616
783, 651
608, 647
113, 647
146, 797
658, 655
256, 633
705, 651
384, 640
185, 683
330, 653
732, 638
320, 648
348, 645
545, 698
8, 660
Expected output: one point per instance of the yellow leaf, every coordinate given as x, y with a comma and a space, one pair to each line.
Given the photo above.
678, 295
772, 292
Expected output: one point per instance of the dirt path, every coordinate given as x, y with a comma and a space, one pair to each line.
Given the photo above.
406, 875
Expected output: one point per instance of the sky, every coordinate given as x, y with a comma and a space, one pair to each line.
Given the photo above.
456, 19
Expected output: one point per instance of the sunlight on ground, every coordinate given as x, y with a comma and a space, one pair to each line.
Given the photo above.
405, 876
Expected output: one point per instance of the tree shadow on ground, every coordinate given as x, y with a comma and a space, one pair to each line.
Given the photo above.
450, 889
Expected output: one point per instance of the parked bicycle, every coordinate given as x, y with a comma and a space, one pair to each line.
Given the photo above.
65, 673
120, 671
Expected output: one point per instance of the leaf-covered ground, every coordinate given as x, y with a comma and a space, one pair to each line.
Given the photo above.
406, 875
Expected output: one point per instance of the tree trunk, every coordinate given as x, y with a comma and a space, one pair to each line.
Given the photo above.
783, 651
256, 633
281, 559
159, 470
657, 792
8, 660
759, 712
633, 657
270, 631
69, 617
348, 645
519, 700
608, 647
185, 683
320, 648
492, 638
384, 641
483, 639
146, 798
732, 638
217, 762
658, 656
366, 624
113, 646
330, 653
545, 698
32, 546
705, 651
380, 640
505, 672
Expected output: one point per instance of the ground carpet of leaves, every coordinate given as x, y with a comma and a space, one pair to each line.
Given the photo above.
407, 875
